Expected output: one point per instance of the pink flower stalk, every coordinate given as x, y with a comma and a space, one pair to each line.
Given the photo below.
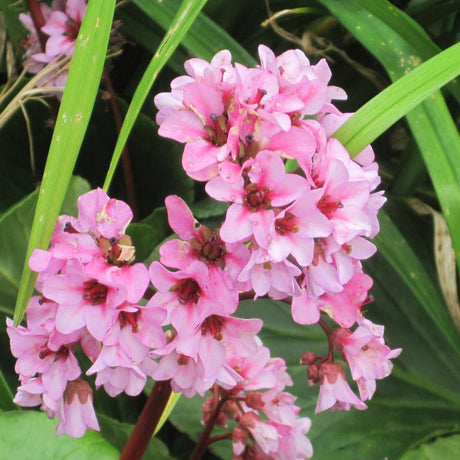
90, 293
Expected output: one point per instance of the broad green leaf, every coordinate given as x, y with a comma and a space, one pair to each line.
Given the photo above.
181, 23
441, 448
117, 434
15, 228
29, 435
72, 120
204, 39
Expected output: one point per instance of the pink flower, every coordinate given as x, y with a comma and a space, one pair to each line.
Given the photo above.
334, 393
189, 296
63, 26
267, 186
76, 412
366, 354
88, 297
224, 260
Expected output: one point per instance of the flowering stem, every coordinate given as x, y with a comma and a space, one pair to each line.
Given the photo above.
219, 437
147, 422
125, 160
329, 332
38, 20
203, 442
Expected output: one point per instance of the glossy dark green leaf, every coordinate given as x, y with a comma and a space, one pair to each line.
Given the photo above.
440, 449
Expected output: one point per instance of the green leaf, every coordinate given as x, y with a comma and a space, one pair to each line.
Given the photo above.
15, 228
382, 111
28, 435
440, 449
204, 39
73, 117
118, 433
180, 25
393, 246
433, 128
6, 397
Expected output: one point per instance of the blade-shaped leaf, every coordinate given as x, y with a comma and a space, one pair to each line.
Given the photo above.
72, 120
204, 39
181, 23
382, 111
433, 128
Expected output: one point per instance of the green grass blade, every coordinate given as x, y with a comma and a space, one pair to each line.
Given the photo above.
182, 22
399, 50
73, 117
6, 397
377, 115
204, 39
393, 246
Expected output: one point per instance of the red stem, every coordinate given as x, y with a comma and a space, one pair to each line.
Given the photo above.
329, 332
202, 443
220, 437
125, 160
38, 20
147, 422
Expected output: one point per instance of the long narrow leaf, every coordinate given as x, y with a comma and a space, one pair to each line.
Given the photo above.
377, 115
182, 22
72, 121
6, 397
203, 39
431, 124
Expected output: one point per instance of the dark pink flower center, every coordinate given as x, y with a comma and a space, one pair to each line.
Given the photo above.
188, 290
256, 197
127, 317
328, 206
286, 224
213, 325
95, 292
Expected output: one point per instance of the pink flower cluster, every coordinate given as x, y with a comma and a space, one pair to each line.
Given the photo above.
268, 425
90, 293
63, 19
295, 234
303, 232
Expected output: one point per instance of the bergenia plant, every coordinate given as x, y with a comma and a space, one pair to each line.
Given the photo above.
253, 298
